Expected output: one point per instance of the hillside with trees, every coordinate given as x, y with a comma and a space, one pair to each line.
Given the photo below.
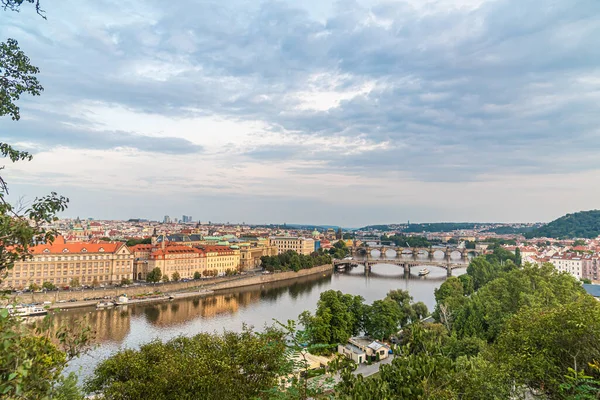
583, 224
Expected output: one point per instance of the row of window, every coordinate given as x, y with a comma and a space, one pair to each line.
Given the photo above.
91, 257
57, 281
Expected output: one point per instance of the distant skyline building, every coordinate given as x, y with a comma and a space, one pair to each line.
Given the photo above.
167, 219
186, 218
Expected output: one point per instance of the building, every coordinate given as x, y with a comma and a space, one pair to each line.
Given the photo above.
171, 258
300, 245
186, 218
250, 255
571, 263
167, 219
219, 259
590, 266
66, 264
362, 349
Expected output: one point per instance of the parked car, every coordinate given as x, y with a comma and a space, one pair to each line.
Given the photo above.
72, 301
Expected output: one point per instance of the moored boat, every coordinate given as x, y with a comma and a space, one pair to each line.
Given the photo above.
423, 272
27, 311
122, 300
105, 304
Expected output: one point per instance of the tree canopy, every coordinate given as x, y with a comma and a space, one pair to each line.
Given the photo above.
583, 224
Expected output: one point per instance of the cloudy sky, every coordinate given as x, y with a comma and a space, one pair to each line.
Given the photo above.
313, 111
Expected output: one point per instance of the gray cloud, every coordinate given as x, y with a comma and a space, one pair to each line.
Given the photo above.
46, 136
501, 89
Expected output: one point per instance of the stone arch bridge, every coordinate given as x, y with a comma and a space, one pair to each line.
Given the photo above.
414, 251
446, 264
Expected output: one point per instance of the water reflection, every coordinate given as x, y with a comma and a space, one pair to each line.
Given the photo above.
257, 305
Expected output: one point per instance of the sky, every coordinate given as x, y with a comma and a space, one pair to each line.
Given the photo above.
316, 111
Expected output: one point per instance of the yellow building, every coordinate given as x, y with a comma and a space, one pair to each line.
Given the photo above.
176, 258
62, 264
221, 258
300, 245
250, 255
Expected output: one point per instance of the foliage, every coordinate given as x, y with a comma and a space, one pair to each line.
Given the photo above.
338, 317
126, 281
583, 224
133, 242
290, 260
410, 241
175, 277
197, 275
49, 286
339, 250
74, 282
579, 242
33, 358
540, 345
165, 278
154, 275
232, 365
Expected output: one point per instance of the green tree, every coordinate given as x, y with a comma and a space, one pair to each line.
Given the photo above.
34, 287
383, 318
74, 282
175, 276
49, 286
233, 365
155, 275
197, 275
540, 344
126, 281
165, 278
518, 259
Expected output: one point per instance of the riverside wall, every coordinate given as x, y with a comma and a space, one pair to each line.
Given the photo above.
212, 284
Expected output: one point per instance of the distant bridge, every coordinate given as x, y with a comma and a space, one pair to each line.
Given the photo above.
414, 251
447, 263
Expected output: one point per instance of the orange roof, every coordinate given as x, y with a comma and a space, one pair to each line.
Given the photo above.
59, 247
175, 249
141, 247
217, 249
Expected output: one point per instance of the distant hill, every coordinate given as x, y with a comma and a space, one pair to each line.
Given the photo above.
583, 224
425, 227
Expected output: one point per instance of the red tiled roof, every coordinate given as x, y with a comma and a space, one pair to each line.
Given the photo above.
59, 247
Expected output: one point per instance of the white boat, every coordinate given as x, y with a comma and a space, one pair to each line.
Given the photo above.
423, 272
123, 299
105, 304
27, 311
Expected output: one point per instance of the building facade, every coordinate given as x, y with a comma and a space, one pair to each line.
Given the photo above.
66, 264
300, 245
176, 258
219, 259
250, 256
570, 263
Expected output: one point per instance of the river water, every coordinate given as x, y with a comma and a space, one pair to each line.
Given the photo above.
133, 325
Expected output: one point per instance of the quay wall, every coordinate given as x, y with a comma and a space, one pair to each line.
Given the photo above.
212, 284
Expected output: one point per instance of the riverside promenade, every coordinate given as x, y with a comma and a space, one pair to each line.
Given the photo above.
64, 298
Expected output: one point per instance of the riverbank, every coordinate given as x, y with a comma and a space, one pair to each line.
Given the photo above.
73, 299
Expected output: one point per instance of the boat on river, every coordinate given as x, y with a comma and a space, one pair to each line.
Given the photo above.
105, 304
423, 272
122, 300
27, 311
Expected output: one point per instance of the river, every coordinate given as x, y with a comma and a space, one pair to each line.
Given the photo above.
133, 325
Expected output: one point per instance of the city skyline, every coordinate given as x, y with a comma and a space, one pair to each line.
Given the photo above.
350, 113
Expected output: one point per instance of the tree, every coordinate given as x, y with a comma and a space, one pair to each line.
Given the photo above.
383, 319
518, 259
540, 344
175, 276
197, 275
165, 278
34, 287
95, 283
48, 286
126, 281
33, 359
74, 282
232, 365
154, 275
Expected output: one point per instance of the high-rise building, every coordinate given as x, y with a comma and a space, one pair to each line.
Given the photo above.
167, 219
186, 218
